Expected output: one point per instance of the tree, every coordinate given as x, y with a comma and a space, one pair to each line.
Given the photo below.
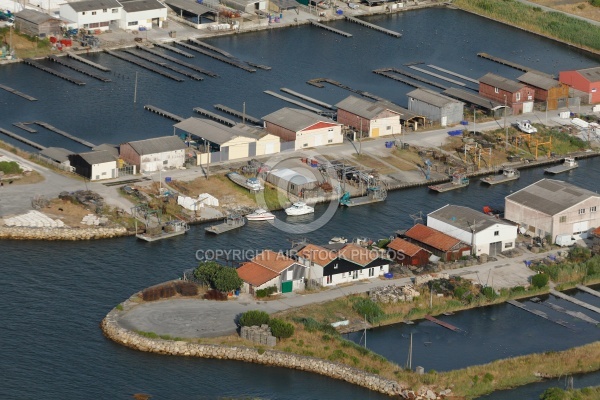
539, 280
227, 280
281, 329
206, 272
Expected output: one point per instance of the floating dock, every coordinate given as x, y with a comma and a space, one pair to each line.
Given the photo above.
219, 57
211, 48
411, 76
74, 67
442, 323
177, 61
174, 50
165, 65
65, 134
243, 116
307, 98
466, 78
23, 125
163, 113
259, 66
575, 301
575, 314
22, 139
373, 26
230, 224
399, 79
66, 77
215, 117
329, 28
510, 64
16, 92
88, 62
437, 75
146, 66
537, 312
296, 102
318, 82
588, 290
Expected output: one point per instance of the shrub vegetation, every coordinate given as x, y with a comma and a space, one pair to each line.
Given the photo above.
281, 329
254, 317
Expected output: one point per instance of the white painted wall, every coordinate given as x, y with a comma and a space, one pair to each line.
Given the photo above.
142, 18
156, 162
314, 272
362, 274
387, 126
319, 137
82, 20
105, 170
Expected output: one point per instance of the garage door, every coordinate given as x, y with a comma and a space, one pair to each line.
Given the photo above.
581, 228
527, 107
495, 248
286, 287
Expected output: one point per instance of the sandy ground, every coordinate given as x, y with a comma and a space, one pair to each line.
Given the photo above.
580, 8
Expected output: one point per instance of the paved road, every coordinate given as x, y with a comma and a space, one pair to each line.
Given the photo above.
204, 318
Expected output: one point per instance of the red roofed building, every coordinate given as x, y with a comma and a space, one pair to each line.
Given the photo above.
304, 128
269, 269
587, 80
446, 247
407, 253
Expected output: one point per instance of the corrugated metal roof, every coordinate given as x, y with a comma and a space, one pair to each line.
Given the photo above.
141, 5
551, 196
466, 218
111, 148
472, 98
431, 97
501, 82
191, 6
97, 157
432, 237
591, 74
89, 5
363, 108
213, 131
539, 81
405, 247
295, 120
35, 17
56, 153
157, 145
299, 176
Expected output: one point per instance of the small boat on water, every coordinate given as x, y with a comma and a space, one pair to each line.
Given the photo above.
458, 181
568, 164
299, 208
507, 175
338, 239
260, 215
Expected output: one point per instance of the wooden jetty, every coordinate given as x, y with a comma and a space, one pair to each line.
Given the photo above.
296, 102
399, 79
411, 76
174, 50
219, 57
329, 28
259, 66
16, 92
88, 62
230, 223
75, 67
307, 98
22, 139
437, 75
163, 113
510, 64
442, 323
165, 65
215, 117
23, 125
177, 61
318, 82
574, 314
65, 134
143, 65
212, 48
373, 26
588, 290
466, 78
575, 301
66, 77
537, 312
243, 116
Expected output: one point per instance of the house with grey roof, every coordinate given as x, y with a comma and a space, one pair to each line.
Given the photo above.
95, 165
547, 89
156, 154
436, 107
112, 14
216, 142
370, 119
517, 96
304, 128
551, 207
36, 23
485, 233
142, 14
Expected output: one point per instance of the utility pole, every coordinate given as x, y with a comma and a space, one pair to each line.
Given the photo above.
243, 112
505, 126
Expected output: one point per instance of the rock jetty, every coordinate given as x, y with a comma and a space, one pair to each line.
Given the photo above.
27, 233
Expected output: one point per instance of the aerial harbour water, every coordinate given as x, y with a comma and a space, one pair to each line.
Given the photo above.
55, 294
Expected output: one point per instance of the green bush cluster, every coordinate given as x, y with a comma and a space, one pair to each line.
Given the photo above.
595, 3
539, 280
371, 310
281, 329
261, 293
223, 279
10, 167
254, 318
311, 325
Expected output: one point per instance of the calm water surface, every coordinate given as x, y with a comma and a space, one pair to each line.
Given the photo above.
55, 294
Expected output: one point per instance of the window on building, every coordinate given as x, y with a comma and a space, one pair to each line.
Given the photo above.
85, 26
562, 219
496, 233
330, 141
104, 173
115, 10
83, 13
518, 96
496, 90
508, 245
593, 209
388, 128
581, 211
305, 145
165, 162
335, 266
104, 9
329, 280
93, 12
132, 23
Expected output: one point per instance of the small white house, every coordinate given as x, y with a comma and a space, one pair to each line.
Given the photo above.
142, 14
486, 234
92, 14
156, 154
95, 165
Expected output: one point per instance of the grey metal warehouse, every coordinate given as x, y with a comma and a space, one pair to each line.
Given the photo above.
35, 23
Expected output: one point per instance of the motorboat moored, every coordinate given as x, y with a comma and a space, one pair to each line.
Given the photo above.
299, 208
260, 215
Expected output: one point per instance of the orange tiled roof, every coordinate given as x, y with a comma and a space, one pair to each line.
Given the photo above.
432, 237
358, 254
255, 274
276, 262
405, 247
597, 232
319, 255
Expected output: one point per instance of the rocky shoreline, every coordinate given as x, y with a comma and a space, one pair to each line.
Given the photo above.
21, 233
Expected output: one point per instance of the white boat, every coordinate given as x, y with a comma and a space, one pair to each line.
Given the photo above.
299, 208
260, 215
525, 126
338, 239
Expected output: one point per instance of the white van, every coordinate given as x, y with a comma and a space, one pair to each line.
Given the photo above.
565, 240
